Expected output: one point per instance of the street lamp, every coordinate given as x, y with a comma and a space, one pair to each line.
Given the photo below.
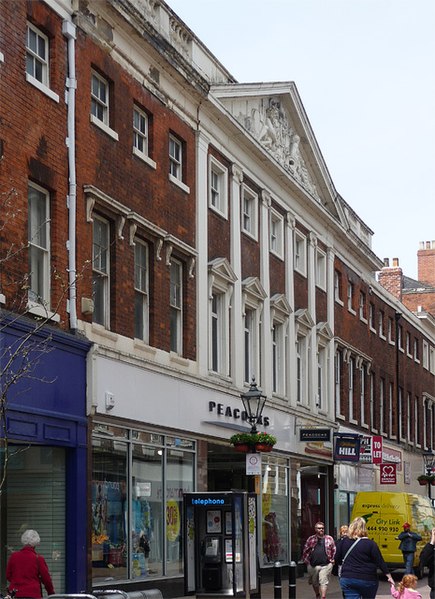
253, 403
429, 464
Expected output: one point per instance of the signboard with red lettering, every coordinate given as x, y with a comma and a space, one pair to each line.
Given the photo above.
388, 474
377, 449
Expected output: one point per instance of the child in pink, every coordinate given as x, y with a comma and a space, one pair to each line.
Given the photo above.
406, 588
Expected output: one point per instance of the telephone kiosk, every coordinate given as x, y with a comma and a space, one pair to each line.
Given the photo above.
220, 544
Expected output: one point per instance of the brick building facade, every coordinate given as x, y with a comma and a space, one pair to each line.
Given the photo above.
204, 243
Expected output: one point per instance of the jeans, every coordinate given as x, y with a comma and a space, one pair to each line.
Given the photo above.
408, 558
356, 588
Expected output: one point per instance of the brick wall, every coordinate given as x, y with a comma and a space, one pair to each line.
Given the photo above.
426, 262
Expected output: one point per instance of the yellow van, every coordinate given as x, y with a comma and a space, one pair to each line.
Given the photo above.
385, 514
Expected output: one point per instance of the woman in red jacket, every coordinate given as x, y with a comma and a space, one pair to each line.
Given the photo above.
26, 569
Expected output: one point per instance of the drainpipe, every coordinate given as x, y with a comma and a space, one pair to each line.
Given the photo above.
69, 31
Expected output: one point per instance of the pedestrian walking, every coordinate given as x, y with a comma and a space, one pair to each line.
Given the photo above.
427, 560
406, 589
408, 545
318, 554
360, 559
26, 570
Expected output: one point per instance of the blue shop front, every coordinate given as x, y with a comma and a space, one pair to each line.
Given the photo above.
44, 443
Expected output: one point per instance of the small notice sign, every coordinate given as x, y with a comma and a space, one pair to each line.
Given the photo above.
388, 474
253, 464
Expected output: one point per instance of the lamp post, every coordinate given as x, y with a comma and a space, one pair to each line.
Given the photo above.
253, 403
429, 464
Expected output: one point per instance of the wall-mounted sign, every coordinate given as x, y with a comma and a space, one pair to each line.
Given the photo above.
253, 464
388, 474
365, 450
314, 434
347, 448
377, 449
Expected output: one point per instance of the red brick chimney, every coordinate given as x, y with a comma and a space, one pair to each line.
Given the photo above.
391, 278
426, 262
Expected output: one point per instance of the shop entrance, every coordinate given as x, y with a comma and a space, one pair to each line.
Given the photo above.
226, 469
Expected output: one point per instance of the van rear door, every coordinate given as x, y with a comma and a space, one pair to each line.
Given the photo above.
394, 512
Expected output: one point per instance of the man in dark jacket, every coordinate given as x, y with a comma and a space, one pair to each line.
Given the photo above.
427, 559
408, 544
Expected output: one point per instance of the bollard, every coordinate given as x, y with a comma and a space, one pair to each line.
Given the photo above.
292, 580
277, 580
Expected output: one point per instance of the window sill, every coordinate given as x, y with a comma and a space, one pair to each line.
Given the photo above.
402, 350
277, 254
42, 88
363, 319
2, 298
321, 286
110, 132
142, 346
2, 57
364, 425
221, 213
144, 158
249, 234
179, 183
177, 359
353, 421
339, 301
409, 355
41, 311
382, 336
301, 272
391, 342
352, 311
373, 330
101, 330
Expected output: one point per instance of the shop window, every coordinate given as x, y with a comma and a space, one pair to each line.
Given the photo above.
275, 511
34, 497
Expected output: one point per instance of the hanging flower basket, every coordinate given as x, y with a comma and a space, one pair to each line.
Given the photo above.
241, 447
263, 447
426, 479
253, 442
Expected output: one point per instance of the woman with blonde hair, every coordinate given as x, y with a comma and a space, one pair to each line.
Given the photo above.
360, 559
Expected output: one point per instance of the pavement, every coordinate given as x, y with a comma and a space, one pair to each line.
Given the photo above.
305, 591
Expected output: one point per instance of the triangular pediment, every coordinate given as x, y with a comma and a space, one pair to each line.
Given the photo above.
252, 287
220, 267
273, 114
324, 332
304, 321
280, 306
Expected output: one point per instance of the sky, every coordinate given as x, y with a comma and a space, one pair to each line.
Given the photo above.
365, 71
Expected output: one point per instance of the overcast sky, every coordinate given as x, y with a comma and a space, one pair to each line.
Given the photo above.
365, 70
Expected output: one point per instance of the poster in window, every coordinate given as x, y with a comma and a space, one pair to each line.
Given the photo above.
214, 521
228, 523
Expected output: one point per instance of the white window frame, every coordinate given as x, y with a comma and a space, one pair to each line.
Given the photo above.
279, 317
253, 297
176, 306
351, 388
372, 316
99, 104
362, 392
390, 409
372, 402
141, 124
101, 270
322, 361
391, 339
382, 406
300, 253
416, 424
416, 351
39, 247
276, 233
175, 158
338, 361
320, 269
249, 212
218, 336
141, 290
362, 306
36, 57
218, 187
425, 356
337, 287
381, 326
400, 418
409, 418
350, 297
301, 370
432, 359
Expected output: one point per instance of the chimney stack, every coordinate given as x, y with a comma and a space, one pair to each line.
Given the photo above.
426, 262
391, 278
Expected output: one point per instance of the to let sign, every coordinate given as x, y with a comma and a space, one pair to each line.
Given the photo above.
388, 474
377, 449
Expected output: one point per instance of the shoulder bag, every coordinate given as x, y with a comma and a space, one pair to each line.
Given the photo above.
346, 554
